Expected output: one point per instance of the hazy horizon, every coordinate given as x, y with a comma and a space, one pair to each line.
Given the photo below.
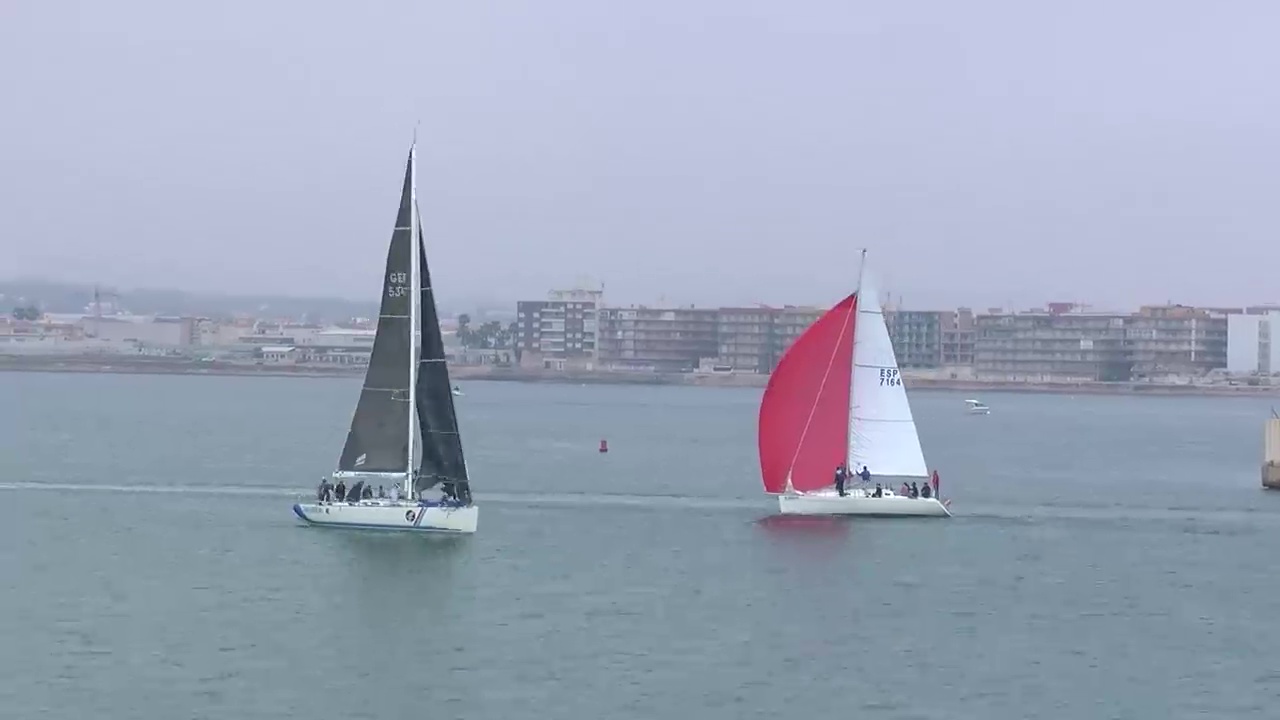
457, 305
989, 154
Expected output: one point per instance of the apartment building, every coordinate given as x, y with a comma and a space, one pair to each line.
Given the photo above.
1060, 343
1175, 340
789, 323
575, 329
746, 339
916, 336
1064, 343
959, 336
932, 338
657, 339
753, 339
559, 332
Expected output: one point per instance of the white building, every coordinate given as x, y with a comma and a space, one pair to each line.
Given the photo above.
344, 339
1250, 350
144, 331
279, 354
342, 346
560, 331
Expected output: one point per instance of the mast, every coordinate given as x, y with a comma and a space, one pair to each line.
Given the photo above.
853, 364
862, 269
415, 281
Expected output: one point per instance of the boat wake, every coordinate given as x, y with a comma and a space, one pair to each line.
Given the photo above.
971, 512
632, 500
1116, 514
170, 489
568, 499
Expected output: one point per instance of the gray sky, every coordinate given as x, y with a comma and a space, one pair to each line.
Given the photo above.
718, 151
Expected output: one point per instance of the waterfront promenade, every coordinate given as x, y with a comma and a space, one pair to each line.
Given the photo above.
181, 366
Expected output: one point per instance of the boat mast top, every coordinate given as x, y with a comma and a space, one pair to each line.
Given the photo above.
415, 297
862, 268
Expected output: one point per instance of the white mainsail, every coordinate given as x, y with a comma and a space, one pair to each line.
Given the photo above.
882, 432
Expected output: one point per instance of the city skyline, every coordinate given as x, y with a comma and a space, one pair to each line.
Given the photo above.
453, 305
571, 331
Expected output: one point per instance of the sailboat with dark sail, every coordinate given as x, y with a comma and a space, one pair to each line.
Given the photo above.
405, 429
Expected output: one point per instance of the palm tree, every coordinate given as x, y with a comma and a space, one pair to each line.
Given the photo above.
464, 330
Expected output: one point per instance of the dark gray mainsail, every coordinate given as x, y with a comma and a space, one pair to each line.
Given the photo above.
442, 460
378, 441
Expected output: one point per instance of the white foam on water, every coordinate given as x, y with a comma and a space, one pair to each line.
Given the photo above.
571, 499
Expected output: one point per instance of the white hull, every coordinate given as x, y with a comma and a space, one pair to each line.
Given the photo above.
860, 502
389, 515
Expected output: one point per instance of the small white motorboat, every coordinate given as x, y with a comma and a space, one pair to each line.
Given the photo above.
977, 407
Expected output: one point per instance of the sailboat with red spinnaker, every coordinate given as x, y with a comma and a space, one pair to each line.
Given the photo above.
837, 399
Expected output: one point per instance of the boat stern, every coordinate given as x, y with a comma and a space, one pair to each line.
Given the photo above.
463, 520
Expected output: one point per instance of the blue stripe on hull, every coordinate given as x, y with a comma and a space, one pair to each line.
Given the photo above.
297, 510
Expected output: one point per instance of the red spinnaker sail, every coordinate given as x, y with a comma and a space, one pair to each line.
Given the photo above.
804, 416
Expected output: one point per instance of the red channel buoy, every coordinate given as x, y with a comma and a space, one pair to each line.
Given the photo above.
604, 446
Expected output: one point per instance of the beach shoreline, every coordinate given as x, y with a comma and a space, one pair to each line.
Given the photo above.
171, 366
